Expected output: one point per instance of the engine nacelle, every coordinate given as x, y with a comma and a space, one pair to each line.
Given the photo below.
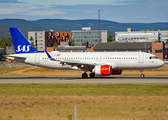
105, 70
102, 70
116, 72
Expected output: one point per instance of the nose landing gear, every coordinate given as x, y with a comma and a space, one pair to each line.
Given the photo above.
142, 75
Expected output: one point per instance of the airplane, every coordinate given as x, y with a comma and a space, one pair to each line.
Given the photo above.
98, 63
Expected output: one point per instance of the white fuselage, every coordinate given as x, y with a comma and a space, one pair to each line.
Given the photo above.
118, 60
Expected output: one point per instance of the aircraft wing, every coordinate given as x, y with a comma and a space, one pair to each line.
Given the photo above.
80, 65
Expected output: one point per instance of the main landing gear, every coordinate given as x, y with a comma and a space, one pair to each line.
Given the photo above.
85, 75
142, 75
92, 75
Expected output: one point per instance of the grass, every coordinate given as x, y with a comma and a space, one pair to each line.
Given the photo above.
8, 69
84, 90
37, 71
93, 101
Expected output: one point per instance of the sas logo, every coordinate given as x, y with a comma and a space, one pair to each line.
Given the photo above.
23, 48
151, 62
54, 55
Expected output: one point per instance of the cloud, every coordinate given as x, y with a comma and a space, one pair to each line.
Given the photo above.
125, 11
80, 2
153, 3
9, 1
29, 11
142, 11
122, 2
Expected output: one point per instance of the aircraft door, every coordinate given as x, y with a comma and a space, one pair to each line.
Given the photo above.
141, 58
37, 59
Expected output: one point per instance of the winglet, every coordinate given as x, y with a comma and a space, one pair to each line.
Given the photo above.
49, 56
84, 50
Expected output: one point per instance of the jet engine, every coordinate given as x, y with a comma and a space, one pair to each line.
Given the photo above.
102, 70
116, 72
105, 70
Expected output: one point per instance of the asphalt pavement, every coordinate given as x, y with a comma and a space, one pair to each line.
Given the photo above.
69, 80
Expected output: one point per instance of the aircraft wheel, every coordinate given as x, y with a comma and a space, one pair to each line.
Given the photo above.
142, 76
92, 75
84, 75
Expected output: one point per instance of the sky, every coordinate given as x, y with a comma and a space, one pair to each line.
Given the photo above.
122, 11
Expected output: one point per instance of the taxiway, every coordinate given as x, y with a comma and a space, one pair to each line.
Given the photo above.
68, 79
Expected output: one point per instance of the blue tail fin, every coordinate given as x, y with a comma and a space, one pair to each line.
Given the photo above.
20, 43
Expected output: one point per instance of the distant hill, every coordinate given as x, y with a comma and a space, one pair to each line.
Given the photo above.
68, 25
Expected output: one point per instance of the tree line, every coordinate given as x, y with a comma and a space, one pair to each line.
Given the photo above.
5, 42
110, 39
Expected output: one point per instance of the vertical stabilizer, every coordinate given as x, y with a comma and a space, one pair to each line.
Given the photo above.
20, 43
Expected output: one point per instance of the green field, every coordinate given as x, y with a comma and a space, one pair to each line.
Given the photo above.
93, 101
38, 71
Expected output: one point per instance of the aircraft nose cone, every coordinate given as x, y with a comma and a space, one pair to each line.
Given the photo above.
161, 63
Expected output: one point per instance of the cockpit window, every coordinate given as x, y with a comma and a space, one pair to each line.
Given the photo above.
153, 57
